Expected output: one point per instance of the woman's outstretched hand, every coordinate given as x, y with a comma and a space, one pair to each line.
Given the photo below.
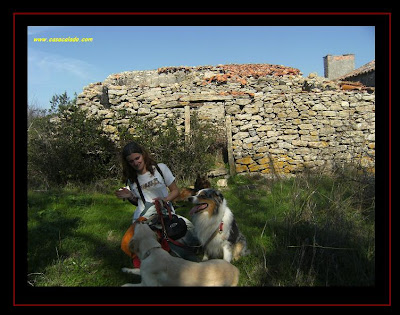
123, 193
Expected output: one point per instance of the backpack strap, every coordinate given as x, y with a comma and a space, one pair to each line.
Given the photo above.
140, 189
161, 173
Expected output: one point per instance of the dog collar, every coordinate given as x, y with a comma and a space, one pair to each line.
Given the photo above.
219, 229
147, 254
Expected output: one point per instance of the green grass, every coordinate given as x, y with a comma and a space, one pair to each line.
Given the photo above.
307, 231
74, 238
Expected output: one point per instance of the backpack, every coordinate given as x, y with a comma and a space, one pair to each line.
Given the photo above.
173, 226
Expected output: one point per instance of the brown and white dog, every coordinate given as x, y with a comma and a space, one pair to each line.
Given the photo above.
200, 183
215, 226
159, 268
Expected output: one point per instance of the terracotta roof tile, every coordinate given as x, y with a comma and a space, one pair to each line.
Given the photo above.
237, 72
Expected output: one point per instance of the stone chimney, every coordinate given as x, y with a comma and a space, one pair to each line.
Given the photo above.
337, 66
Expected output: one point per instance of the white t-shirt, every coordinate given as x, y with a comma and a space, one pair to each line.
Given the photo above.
153, 186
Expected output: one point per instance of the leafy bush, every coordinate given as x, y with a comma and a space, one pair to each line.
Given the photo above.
65, 145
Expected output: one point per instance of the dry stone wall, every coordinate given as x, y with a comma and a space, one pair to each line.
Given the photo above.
278, 121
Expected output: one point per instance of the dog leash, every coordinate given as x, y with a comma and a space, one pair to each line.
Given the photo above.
219, 229
158, 209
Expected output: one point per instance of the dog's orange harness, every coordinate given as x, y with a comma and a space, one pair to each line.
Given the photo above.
128, 236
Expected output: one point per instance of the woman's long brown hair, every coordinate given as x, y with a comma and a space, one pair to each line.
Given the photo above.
128, 172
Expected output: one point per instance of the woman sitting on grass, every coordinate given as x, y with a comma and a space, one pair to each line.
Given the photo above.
139, 167
148, 182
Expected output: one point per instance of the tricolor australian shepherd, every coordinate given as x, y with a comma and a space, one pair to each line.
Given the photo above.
216, 227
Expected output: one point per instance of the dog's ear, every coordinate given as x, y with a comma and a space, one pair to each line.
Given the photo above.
218, 196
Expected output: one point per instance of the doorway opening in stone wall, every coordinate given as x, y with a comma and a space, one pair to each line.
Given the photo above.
210, 135
221, 161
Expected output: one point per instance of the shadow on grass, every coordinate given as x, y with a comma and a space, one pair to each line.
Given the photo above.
63, 244
46, 227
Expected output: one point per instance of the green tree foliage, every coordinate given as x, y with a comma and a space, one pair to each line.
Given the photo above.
65, 145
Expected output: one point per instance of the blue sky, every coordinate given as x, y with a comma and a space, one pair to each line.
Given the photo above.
55, 67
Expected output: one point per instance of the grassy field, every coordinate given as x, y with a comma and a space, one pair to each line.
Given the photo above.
309, 231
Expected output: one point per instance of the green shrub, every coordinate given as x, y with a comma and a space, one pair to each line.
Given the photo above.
65, 145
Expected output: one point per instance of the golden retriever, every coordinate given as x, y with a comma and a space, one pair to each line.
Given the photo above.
159, 268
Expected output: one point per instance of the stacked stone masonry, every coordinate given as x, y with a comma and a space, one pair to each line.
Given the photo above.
281, 122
